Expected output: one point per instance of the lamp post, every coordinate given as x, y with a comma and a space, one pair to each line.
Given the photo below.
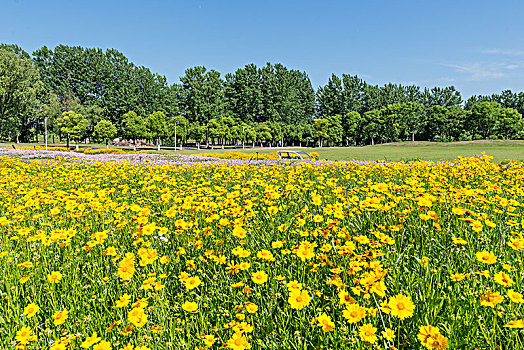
243, 137
45, 133
175, 134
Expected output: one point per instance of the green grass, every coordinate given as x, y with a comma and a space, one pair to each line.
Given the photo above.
499, 149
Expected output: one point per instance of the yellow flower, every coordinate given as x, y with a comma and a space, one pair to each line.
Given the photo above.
238, 342
515, 297
30, 310
25, 335
60, 317
458, 276
325, 322
458, 240
126, 268
491, 298
368, 333
189, 306
103, 345
123, 301
515, 324
388, 334
209, 339
299, 299
503, 279
251, 308
259, 277
24, 279
486, 257
401, 306
345, 298
354, 313
137, 317
192, 282
54, 277
426, 334
294, 286
86, 344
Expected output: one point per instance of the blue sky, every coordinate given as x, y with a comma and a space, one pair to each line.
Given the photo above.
477, 46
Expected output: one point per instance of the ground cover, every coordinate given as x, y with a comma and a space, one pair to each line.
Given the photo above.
120, 252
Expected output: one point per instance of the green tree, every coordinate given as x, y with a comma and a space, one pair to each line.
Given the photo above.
351, 126
181, 129
20, 86
335, 132
215, 131
134, 126
508, 123
202, 94
372, 125
104, 130
483, 117
263, 131
72, 125
197, 132
436, 123
321, 130
411, 118
156, 126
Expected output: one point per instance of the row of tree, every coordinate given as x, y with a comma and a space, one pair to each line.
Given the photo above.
270, 104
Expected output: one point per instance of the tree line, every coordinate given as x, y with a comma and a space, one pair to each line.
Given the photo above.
80, 93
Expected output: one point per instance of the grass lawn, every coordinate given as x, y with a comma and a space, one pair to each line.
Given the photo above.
500, 150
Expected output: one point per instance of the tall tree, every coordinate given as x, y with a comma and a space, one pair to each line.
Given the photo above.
20, 85
202, 92
483, 117
73, 126
445, 97
156, 126
330, 98
134, 126
104, 130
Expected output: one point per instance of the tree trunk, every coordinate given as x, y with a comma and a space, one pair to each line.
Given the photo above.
372, 141
68, 138
198, 145
76, 144
158, 144
181, 144
107, 144
134, 145
412, 136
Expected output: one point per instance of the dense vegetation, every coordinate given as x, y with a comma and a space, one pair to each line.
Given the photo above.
116, 254
269, 105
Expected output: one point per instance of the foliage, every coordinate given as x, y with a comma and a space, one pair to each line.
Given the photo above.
105, 130
73, 125
20, 86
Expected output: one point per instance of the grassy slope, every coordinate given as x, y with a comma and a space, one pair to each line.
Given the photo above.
500, 150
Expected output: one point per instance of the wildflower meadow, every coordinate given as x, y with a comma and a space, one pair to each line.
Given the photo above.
140, 254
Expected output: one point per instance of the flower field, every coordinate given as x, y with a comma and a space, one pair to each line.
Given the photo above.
328, 255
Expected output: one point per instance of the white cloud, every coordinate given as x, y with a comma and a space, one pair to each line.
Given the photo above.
504, 52
482, 71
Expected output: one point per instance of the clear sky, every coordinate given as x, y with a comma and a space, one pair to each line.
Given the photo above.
477, 46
